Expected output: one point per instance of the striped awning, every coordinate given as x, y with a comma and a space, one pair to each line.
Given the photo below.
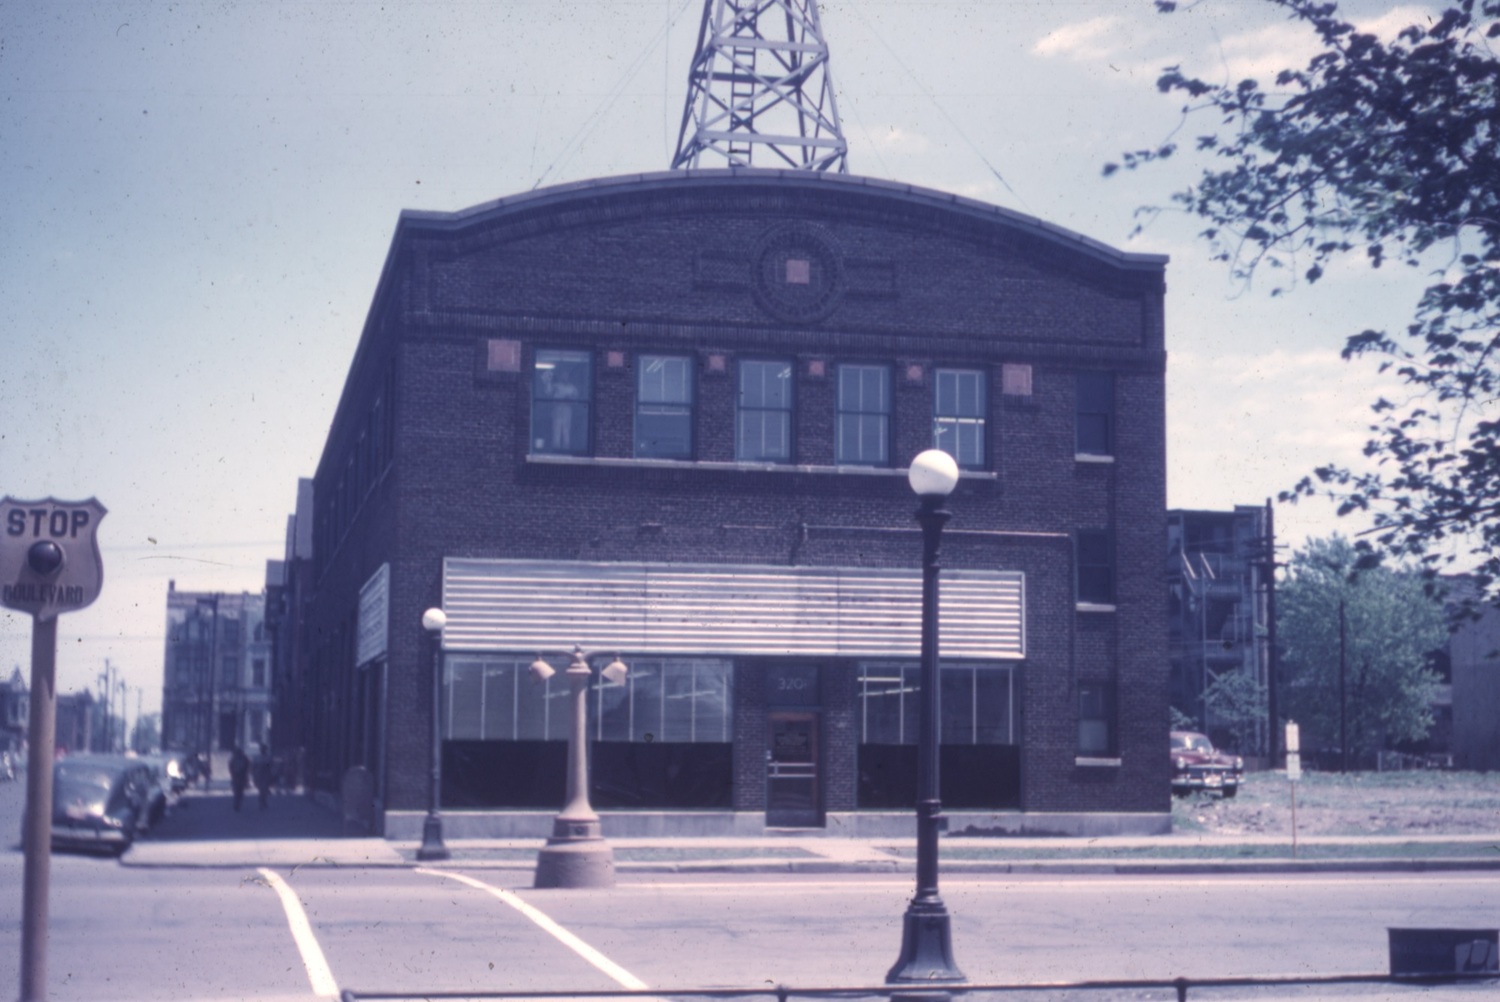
718, 609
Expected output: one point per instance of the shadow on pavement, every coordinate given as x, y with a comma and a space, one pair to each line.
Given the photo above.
206, 815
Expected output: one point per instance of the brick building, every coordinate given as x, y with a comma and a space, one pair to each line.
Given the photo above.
216, 678
667, 417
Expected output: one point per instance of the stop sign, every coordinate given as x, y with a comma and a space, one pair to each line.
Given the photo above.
49, 555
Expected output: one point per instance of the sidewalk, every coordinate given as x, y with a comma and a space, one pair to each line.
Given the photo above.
204, 830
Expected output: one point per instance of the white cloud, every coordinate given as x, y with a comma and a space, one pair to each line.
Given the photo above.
1244, 426
1094, 40
1261, 53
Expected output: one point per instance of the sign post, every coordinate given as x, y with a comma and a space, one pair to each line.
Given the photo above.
49, 564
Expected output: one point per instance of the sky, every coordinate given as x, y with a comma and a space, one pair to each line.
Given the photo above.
198, 198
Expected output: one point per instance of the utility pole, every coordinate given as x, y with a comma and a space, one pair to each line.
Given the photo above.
1343, 691
1273, 653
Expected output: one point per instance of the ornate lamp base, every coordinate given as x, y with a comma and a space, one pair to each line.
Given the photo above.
926, 961
575, 856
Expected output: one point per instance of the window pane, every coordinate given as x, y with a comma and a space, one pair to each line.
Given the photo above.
959, 415
500, 680
764, 435
664, 411
764, 418
1096, 566
766, 384
465, 698
992, 706
562, 391
533, 700
957, 706
1096, 715
881, 696
864, 407
646, 694
677, 703
1096, 408
665, 379
663, 432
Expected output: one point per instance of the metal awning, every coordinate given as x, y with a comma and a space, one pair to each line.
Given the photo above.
723, 609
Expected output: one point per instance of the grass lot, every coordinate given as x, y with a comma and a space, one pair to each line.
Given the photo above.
1361, 803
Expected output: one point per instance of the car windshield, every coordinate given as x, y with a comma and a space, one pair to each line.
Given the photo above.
74, 774
1191, 742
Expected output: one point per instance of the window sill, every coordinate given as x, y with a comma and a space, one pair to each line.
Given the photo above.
631, 462
1089, 762
1094, 607
1088, 457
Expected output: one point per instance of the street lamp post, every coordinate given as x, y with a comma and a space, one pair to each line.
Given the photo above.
432, 847
577, 855
926, 943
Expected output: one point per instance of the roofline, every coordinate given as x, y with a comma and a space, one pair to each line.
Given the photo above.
433, 221
423, 220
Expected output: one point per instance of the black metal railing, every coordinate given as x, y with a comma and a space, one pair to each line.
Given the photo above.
970, 992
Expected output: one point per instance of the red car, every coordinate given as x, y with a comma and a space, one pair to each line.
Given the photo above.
1197, 765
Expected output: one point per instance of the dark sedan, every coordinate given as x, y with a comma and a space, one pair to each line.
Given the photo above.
1198, 765
100, 802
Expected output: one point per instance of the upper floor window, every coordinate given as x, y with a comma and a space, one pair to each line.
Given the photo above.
763, 418
562, 395
664, 407
959, 415
1096, 414
1096, 566
864, 415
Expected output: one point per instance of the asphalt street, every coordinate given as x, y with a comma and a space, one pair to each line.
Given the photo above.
274, 905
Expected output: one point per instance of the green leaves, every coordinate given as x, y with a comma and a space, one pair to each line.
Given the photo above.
1380, 151
1375, 676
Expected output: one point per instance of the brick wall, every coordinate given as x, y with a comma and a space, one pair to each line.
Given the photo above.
691, 265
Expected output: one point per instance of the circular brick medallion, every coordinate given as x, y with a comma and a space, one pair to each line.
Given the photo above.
798, 275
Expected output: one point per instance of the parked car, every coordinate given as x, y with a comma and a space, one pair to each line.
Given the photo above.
100, 802
1197, 765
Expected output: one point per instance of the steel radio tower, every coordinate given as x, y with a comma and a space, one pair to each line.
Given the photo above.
760, 87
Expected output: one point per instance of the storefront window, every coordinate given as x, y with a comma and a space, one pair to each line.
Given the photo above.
975, 705
979, 762
681, 700
659, 739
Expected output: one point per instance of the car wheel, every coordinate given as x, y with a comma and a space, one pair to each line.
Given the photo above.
1230, 791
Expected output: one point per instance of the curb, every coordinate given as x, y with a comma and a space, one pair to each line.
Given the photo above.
206, 856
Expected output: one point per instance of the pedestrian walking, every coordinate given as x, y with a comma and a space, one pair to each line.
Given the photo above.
239, 774
265, 773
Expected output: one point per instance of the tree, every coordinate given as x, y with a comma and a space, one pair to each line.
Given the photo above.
1390, 151
1376, 683
1237, 703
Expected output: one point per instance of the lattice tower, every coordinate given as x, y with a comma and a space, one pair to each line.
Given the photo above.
759, 87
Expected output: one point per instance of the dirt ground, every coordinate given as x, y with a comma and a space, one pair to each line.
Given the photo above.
1393, 803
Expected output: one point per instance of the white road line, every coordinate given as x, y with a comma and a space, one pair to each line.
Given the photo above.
611, 969
318, 972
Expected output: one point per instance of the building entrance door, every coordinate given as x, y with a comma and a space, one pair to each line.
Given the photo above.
794, 796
